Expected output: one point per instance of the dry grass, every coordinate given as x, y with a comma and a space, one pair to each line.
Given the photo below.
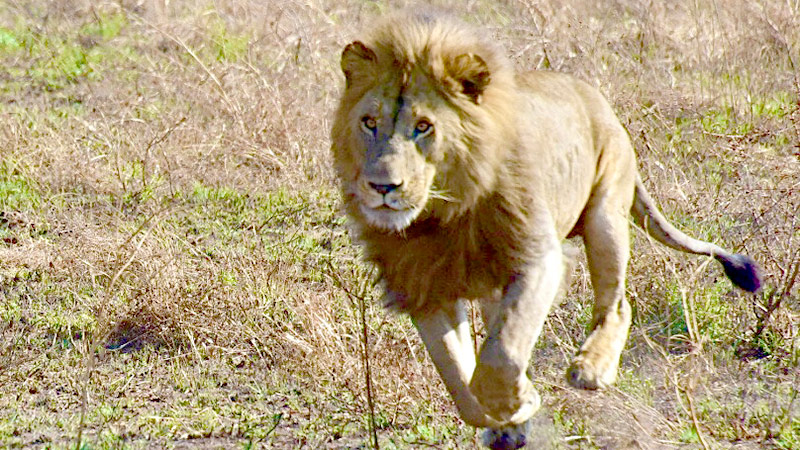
172, 258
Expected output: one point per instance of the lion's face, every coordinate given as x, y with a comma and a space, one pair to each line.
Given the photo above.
402, 145
398, 146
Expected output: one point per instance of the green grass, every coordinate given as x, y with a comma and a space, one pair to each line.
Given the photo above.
17, 191
227, 46
725, 122
779, 105
770, 419
105, 26
9, 41
709, 312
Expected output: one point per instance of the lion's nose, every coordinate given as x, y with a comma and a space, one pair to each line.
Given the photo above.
384, 189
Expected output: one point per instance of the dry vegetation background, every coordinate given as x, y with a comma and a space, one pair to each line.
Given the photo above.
174, 270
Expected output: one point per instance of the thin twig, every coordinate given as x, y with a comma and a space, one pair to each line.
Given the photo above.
776, 297
695, 423
154, 142
234, 107
368, 374
360, 300
91, 343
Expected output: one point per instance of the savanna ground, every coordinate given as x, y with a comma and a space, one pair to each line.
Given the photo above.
175, 271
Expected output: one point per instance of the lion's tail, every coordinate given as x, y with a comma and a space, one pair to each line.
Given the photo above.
741, 269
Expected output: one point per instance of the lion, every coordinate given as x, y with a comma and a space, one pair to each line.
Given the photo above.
462, 178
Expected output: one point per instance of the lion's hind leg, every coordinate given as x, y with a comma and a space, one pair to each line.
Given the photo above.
606, 235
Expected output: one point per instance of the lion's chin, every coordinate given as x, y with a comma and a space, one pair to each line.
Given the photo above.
388, 219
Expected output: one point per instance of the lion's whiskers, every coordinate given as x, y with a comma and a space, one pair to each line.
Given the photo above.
440, 195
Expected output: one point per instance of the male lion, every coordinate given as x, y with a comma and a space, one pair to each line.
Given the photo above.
463, 178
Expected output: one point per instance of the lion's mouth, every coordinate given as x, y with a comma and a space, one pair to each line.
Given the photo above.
386, 217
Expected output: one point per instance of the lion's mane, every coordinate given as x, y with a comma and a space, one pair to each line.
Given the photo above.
480, 220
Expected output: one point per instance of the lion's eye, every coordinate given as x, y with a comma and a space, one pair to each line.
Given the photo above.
423, 127
369, 123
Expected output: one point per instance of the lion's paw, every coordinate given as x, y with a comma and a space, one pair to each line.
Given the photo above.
584, 375
508, 438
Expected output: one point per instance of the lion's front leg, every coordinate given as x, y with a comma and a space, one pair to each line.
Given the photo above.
446, 334
500, 382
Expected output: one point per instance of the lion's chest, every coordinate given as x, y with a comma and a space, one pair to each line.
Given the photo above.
434, 264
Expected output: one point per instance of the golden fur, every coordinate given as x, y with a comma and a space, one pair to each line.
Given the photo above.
462, 178
461, 211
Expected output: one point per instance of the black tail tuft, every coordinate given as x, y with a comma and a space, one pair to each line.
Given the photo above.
742, 271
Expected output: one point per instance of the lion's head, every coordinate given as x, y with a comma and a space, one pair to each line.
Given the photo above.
423, 123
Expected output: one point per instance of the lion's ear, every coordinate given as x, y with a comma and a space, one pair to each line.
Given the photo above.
357, 60
472, 75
